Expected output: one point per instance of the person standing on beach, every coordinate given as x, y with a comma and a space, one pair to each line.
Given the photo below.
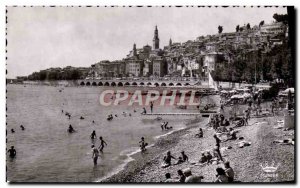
143, 144
95, 155
102, 143
151, 107
217, 148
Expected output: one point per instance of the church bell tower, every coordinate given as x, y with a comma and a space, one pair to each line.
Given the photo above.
155, 39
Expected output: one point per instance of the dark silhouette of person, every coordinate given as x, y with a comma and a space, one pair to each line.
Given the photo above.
93, 135
12, 152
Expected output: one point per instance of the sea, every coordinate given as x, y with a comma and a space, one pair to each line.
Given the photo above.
46, 152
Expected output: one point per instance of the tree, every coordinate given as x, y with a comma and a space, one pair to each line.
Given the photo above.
237, 28
248, 26
281, 18
261, 23
241, 29
220, 29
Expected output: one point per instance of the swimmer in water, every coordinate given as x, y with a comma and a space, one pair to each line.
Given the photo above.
93, 121
102, 144
81, 117
95, 155
62, 111
93, 135
12, 152
12, 131
22, 127
71, 129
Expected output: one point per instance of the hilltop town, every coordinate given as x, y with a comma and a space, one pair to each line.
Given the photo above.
251, 54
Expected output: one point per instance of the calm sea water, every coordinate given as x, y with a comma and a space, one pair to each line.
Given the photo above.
47, 153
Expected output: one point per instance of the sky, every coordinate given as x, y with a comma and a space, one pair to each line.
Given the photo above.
43, 37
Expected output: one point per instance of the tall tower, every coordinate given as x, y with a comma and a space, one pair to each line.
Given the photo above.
170, 42
134, 50
155, 39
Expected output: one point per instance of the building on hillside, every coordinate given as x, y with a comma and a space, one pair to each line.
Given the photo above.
159, 67
273, 29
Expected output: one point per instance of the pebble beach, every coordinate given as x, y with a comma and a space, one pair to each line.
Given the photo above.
246, 162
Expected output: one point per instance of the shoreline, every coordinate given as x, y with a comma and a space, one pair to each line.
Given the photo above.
141, 160
245, 161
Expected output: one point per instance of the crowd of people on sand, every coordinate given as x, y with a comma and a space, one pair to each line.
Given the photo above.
223, 175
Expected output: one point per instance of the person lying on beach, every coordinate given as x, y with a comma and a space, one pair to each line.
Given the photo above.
167, 160
95, 154
221, 176
181, 176
232, 134
221, 129
12, 152
190, 178
143, 144
184, 156
200, 134
102, 144
203, 158
124, 114
208, 157
71, 129
229, 171
81, 117
226, 123
93, 135
22, 127
12, 131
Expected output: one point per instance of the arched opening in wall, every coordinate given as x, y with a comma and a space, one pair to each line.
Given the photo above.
113, 84
94, 84
142, 83
178, 84
186, 84
88, 83
163, 84
120, 84
82, 83
134, 84
171, 84
156, 84
127, 84
100, 84
106, 84
149, 84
